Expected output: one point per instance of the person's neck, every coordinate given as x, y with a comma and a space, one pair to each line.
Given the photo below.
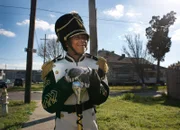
75, 56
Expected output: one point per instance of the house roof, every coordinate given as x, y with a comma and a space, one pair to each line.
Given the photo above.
111, 57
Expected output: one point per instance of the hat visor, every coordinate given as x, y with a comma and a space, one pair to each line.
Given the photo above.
79, 33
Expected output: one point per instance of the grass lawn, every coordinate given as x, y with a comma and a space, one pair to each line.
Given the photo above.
137, 88
125, 112
39, 87
130, 112
34, 87
18, 113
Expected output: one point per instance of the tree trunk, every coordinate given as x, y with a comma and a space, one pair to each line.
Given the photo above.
140, 71
142, 76
158, 74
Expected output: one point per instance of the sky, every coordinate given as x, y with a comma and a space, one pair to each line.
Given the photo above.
115, 19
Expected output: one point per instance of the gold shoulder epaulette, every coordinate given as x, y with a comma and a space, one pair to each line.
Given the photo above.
46, 68
102, 62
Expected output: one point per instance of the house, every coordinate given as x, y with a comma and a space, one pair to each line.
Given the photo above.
122, 70
12, 74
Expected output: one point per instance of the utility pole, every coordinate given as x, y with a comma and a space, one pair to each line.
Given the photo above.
45, 48
93, 28
29, 50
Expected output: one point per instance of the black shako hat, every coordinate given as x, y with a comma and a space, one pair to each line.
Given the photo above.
69, 25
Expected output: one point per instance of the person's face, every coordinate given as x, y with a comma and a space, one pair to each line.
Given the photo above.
79, 43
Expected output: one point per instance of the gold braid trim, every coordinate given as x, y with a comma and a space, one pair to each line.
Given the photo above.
77, 20
65, 38
102, 64
46, 68
57, 30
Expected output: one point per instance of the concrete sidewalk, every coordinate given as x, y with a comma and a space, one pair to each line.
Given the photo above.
40, 119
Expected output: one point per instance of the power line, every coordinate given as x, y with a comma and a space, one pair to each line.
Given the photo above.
18, 7
53, 11
119, 21
9, 6
12, 13
9, 59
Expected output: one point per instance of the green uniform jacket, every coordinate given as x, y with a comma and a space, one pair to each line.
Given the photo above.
58, 93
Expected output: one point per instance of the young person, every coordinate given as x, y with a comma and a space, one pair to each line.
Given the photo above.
61, 74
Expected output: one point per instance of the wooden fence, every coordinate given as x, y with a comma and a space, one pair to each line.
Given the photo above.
173, 83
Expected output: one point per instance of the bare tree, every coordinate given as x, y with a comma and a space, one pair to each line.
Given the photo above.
52, 50
139, 56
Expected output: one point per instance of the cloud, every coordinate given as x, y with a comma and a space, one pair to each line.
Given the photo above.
116, 12
136, 28
40, 24
52, 15
132, 13
7, 33
122, 37
52, 36
23, 22
176, 35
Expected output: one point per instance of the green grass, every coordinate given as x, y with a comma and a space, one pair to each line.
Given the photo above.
125, 112
137, 88
131, 112
39, 87
18, 114
34, 87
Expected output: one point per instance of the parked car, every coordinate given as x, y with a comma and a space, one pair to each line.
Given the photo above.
18, 82
3, 84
